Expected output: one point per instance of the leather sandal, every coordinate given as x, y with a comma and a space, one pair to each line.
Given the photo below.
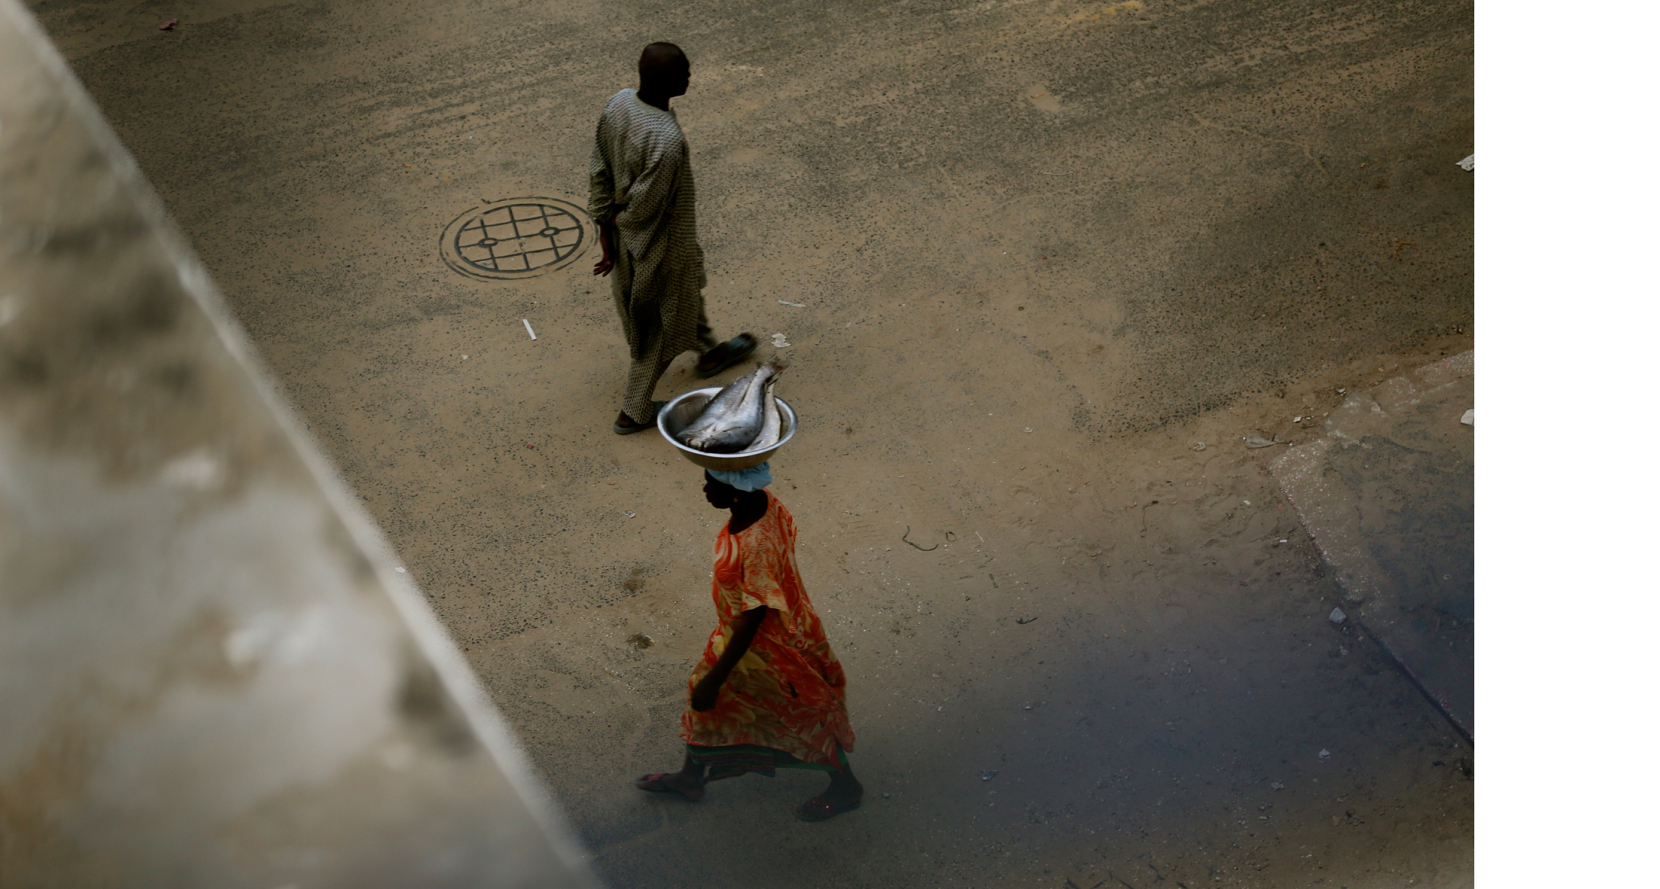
656, 408
819, 809
654, 784
726, 354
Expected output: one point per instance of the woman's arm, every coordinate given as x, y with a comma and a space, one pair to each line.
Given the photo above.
743, 633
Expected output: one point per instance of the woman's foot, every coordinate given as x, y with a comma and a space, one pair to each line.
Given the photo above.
844, 794
678, 784
725, 355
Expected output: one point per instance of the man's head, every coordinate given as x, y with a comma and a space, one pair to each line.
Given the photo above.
664, 71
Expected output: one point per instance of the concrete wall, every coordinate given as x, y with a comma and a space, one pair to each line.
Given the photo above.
211, 671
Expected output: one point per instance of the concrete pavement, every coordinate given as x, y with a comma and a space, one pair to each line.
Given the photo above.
1388, 494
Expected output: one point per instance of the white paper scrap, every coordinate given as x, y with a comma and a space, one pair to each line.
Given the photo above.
527, 328
1468, 163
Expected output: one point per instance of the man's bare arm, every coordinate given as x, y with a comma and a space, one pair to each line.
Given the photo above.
607, 242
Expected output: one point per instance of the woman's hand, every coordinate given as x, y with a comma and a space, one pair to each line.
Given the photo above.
705, 695
707, 690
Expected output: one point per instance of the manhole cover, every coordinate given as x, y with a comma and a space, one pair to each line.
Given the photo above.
515, 238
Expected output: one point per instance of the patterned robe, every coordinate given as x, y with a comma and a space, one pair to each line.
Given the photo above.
788, 691
640, 177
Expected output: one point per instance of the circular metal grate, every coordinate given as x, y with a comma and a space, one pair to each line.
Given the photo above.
515, 238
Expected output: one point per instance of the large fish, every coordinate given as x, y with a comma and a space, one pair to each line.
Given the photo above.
772, 422
737, 416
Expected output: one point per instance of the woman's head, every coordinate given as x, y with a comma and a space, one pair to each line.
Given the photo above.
719, 494
727, 495
745, 481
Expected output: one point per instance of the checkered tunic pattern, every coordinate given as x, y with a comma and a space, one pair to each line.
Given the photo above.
640, 177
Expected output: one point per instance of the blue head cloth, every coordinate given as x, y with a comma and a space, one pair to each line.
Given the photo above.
752, 479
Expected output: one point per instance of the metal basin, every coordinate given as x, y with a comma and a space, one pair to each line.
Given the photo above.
679, 413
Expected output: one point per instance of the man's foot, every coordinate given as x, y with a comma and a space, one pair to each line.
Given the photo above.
625, 425
673, 783
725, 355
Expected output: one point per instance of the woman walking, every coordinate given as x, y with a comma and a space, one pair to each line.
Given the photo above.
768, 693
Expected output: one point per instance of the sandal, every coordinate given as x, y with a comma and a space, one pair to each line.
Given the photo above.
656, 408
725, 355
654, 784
819, 809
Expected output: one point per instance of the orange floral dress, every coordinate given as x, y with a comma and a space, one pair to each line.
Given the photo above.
788, 692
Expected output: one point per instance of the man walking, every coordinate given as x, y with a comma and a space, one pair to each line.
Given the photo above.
640, 193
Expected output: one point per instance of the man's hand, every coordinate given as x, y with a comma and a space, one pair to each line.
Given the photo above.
705, 695
603, 267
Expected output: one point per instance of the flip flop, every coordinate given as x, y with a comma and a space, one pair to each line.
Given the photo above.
818, 809
735, 349
620, 429
654, 784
